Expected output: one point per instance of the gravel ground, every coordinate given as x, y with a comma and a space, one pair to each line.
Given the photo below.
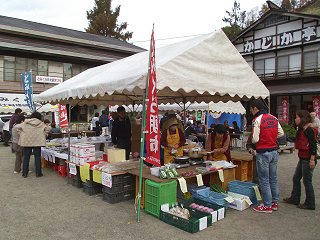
49, 208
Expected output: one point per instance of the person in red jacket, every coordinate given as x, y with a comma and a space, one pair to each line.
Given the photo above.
307, 148
266, 130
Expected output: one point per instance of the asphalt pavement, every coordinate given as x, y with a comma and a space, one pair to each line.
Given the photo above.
50, 208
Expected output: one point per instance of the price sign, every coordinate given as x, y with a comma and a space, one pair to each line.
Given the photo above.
72, 169
106, 179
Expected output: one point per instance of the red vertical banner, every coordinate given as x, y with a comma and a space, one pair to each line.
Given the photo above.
285, 109
63, 116
152, 117
316, 105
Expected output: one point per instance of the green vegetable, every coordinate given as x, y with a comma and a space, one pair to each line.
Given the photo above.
163, 174
217, 188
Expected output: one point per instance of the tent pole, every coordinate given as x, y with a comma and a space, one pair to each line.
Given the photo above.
269, 103
184, 111
143, 132
142, 141
69, 132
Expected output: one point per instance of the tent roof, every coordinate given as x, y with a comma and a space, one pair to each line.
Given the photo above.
9, 102
206, 68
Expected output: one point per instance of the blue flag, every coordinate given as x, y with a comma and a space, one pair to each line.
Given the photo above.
26, 79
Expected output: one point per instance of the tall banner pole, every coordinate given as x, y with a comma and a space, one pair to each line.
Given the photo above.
26, 79
143, 132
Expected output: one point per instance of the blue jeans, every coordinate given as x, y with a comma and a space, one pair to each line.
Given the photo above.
27, 151
304, 171
268, 180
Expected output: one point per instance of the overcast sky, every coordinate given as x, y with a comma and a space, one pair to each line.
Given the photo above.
172, 18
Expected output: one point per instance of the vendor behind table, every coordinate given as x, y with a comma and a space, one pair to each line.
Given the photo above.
121, 131
220, 143
172, 139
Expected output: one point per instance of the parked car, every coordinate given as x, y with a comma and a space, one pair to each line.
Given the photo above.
3, 119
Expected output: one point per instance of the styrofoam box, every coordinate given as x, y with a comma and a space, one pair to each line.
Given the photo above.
83, 160
241, 202
86, 150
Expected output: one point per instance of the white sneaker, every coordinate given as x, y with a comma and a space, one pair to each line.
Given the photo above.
15, 172
30, 171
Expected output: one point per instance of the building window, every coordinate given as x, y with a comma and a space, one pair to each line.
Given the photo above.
295, 62
310, 60
259, 67
264, 66
83, 68
67, 71
76, 69
9, 71
269, 65
20, 67
55, 69
42, 67
283, 64
1, 68
33, 66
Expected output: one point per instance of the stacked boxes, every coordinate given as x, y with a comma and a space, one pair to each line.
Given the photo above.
82, 153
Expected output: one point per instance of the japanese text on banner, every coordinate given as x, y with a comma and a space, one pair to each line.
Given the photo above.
152, 120
26, 79
285, 109
316, 105
63, 116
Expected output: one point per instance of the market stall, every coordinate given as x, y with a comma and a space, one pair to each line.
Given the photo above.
206, 68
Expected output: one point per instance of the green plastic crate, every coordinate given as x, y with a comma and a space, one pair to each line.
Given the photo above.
157, 194
197, 221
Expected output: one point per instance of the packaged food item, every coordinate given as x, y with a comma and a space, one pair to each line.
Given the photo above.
174, 171
162, 173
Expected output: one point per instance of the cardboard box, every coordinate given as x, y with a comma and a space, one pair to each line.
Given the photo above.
116, 155
241, 202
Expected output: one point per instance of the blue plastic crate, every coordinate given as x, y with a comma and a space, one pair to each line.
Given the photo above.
193, 189
212, 197
244, 188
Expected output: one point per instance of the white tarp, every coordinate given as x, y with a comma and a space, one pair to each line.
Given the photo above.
10, 101
206, 68
220, 107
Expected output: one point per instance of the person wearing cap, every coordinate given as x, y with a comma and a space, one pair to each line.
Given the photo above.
172, 139
265, 132
121, 131
220, 143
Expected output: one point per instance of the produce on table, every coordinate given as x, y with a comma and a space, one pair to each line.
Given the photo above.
187, 196
180, 212
189, 174
217, 188
162, 173
168, 172
201, 208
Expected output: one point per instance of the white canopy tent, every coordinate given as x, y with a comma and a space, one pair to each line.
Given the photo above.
220, 107
206, 68
10, 101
